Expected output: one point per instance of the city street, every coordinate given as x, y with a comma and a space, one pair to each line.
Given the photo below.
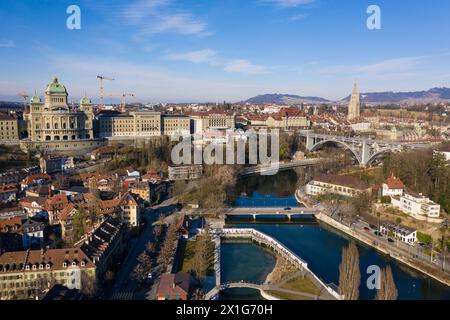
125, 286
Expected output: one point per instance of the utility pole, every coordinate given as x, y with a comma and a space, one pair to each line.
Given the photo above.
101, 78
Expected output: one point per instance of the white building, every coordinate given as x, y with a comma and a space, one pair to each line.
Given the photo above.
416, 205
347, 186
392, 187
399, 232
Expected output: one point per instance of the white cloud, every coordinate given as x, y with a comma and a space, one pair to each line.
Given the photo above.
158, 16
201, 56
297, 17
244, 66
287, 3
7, 44
212, 58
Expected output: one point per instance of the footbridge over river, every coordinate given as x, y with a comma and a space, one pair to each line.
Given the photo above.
269, 242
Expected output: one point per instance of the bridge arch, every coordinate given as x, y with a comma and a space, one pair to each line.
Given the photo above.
377, 154
319, 144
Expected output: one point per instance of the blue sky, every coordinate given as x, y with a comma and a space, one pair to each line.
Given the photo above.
215, 50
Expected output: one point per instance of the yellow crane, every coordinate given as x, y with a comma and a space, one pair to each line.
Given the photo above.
101, 78
24, 95
124, 99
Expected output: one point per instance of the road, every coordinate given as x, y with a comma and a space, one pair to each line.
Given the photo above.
125, 286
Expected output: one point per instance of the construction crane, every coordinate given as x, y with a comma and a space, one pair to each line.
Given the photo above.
124, 98
24, 95
101, 78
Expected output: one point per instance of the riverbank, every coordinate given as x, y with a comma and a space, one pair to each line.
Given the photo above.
421, 268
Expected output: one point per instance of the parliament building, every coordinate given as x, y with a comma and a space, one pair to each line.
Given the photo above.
54, 126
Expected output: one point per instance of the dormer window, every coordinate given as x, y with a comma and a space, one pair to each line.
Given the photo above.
83, 263
41, 267
64, 264
47, 266
34, 267
27, 268
74, 264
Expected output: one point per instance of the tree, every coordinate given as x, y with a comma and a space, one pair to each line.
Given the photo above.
349, 274
88, 284
202, 252
139, 274
388, 290
361, 203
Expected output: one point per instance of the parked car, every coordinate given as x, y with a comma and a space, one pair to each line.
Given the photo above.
366, 229
391, 240
150, 275
287, 209
378, 233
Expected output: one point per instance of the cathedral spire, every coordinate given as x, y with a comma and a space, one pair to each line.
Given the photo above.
355, 104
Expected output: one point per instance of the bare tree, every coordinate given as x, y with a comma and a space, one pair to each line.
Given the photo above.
349, 274
88, 284
202, 252
388, 290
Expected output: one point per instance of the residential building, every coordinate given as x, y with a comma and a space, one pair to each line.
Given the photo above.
185, 172
348, 186
416, 205
11, 234
54, 164
9, 129
105, 245
54, 205
24, 274
8, 193
141, 189
174, 286
32, 205
392, 187
32, 233
399, 232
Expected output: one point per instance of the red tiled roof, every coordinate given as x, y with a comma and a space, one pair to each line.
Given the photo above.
394, 183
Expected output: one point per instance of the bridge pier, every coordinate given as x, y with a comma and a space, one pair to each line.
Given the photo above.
310, 142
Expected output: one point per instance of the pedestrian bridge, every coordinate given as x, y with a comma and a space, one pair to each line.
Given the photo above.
265, 240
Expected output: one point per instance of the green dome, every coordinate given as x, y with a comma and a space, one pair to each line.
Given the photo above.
85, 100
35, 99
56, 87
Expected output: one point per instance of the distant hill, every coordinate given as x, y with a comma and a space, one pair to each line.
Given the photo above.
434, 94
284, 99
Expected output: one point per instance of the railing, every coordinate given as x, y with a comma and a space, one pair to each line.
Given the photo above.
278, 247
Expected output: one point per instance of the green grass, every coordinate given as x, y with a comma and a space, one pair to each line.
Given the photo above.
287, 296
423, 237
301, 284
189, 253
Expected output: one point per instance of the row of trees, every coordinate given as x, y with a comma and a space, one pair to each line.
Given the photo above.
350, 277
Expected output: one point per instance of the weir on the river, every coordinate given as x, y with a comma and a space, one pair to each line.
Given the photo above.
262, 239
